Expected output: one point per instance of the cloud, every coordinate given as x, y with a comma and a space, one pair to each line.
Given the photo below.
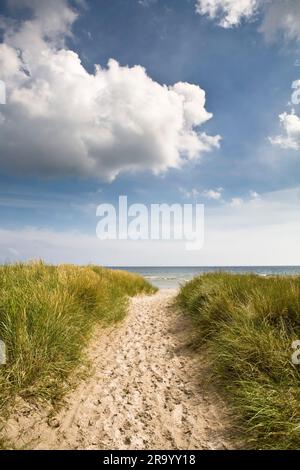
236, 202
146, 3
214, 194
265, 231
282, 17
62, 120
290, 122
252, 201
278, 17
254, 195
229, 13
291, 137
193, 193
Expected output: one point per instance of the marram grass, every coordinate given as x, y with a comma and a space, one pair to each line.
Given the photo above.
47, 314
247, 324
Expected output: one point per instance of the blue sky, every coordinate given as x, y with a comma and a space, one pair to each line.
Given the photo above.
250, 184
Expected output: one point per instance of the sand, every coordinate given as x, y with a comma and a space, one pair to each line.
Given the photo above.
146, 390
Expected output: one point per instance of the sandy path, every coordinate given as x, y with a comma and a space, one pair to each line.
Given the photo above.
143, 391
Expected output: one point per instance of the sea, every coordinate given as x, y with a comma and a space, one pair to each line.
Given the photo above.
174, 277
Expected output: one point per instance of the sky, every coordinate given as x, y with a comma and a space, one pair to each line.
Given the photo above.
164, 101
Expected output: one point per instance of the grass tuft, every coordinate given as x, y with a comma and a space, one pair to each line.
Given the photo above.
248, 323
47, 314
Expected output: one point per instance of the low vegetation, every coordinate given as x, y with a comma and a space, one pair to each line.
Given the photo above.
47, 314
247, 324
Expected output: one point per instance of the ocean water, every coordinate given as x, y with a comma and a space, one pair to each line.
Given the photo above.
173, 277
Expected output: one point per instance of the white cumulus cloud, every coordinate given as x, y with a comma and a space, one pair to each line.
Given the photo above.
278, 16
228, 12
62, 120
290, 139
214, 194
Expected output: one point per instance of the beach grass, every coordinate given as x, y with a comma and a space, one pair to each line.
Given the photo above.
47, 315
247, 324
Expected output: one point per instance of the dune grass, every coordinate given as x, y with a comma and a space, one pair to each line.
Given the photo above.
247, 324
47, 314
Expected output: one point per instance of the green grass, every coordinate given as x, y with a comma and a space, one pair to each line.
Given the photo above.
247, 324
47, 314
